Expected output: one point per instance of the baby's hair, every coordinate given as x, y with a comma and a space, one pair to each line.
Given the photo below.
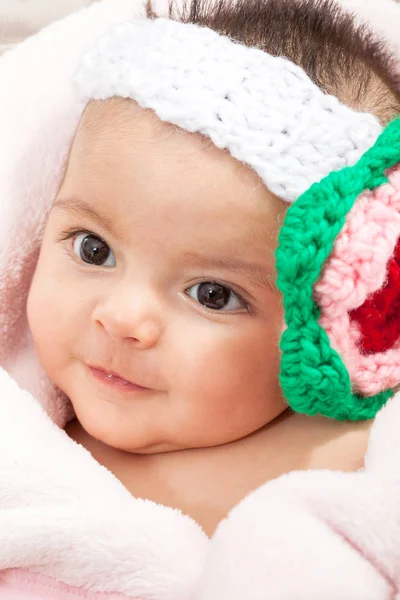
343, 58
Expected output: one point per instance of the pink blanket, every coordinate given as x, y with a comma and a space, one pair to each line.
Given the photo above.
68, 528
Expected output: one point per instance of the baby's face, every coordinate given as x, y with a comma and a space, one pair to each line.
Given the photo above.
157, 263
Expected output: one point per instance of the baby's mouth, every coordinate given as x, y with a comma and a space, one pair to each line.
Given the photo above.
114, 380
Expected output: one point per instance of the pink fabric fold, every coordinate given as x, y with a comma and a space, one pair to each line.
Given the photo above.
20, 584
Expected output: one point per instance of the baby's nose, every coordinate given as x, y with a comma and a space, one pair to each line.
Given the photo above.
137, 319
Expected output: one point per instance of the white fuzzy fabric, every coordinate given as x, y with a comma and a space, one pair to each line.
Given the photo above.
324, 535
383, 16
65, 516
67, 522
265, 110
316, 535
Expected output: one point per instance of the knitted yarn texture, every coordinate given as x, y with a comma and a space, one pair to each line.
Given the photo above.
314, 377
379, 316
263, 109
359, 289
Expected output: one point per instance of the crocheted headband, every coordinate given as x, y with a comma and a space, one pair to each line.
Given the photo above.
341, 348
264, 109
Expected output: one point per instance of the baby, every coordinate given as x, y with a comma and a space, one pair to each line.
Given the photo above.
155, 307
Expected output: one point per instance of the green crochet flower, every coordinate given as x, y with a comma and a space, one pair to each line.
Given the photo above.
313, 377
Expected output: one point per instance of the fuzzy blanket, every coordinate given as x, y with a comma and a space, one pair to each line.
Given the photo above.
382, 16
68, 528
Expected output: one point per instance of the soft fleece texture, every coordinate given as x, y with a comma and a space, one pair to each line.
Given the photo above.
382, 15
68, 528
19, 19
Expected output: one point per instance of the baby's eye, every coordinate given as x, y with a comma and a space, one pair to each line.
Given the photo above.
93, 250
216, 296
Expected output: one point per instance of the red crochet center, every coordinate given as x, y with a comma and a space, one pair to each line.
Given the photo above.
379, 317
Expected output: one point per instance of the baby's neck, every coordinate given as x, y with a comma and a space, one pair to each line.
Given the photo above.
305, 441
207, 482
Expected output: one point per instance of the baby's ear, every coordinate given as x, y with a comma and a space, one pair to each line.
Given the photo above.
338, 266
383, 454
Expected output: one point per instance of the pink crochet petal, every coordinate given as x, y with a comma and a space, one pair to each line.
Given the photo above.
357, 276
379, 317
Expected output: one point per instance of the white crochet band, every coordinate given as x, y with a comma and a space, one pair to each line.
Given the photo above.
263, 109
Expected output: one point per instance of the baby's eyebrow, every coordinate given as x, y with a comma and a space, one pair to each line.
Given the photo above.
78, 207
257, 274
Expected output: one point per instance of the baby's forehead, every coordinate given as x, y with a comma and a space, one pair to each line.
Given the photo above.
122, 130
125, 119
124, 157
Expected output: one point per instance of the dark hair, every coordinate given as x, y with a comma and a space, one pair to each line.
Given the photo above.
340, 56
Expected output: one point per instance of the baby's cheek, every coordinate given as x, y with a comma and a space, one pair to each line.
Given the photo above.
37, 309
231, 380
251, 376
48, 321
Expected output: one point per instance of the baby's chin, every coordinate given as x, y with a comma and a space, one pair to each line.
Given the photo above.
123, 438
119, 439
133, 441
150, 425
